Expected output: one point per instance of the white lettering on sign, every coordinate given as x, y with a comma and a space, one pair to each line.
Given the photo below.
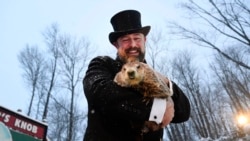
5, 117
26, 126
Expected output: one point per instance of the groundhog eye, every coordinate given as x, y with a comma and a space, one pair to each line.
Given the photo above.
124, 69
138, 66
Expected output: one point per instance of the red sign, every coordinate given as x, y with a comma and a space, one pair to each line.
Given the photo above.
21, 123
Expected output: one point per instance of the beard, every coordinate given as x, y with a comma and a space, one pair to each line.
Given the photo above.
126, 57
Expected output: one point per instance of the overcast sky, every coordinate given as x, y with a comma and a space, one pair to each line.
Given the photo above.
23, 21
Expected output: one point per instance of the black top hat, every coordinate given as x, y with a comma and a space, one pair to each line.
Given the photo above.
126, 22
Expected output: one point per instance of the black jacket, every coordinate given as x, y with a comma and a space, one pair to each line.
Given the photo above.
116, 113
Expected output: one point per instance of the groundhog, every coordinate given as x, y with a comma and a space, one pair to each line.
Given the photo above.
150, 83
141, 76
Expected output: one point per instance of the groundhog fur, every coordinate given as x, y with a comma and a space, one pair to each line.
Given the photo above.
142, 77
150, 83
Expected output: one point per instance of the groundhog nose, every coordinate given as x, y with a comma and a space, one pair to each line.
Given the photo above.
131, 74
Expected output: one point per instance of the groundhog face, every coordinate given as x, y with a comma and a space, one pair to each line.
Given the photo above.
131, 74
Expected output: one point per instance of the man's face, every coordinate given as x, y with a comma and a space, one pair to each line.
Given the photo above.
131, 47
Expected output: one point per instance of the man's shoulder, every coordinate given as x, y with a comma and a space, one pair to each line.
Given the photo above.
103, 59
105, 62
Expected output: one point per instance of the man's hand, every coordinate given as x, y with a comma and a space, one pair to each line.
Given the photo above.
169, 113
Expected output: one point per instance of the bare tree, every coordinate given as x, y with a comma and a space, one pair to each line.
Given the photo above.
215, 99
51, 39
58, 77
74, 54
32, 62
222, 25
59, 121
156, 49
228, 21
233, 78
204, 121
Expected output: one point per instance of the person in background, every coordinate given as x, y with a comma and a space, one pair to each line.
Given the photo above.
116, 113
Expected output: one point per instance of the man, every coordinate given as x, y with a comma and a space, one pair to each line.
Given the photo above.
116, 113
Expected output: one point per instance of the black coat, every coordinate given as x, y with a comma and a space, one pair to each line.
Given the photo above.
116, 113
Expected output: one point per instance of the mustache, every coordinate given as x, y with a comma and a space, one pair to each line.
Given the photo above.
133, 48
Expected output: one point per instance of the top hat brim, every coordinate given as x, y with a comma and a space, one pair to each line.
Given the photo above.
113, 36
